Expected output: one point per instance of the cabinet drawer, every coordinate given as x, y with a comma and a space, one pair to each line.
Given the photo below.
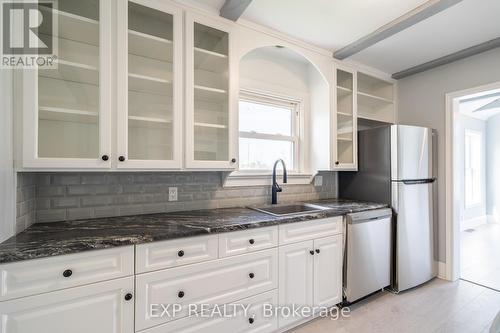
236, 322
298, 232
37, 276
96, 308
246, 241
216, 282
177, 252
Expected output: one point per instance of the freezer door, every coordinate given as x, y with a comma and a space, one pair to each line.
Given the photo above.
411, 152
413, 206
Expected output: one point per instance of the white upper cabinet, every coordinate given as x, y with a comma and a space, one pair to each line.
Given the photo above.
210, 137
149, 85
345, 142
67, 111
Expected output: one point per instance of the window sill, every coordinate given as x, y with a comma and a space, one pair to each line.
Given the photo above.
242, 179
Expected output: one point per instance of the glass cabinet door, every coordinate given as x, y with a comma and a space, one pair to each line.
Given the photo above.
345, 120
72, 103
208, 102
149, 97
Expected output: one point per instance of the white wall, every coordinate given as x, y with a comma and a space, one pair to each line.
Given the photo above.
422, 103
7, 174
470, 216
493, 163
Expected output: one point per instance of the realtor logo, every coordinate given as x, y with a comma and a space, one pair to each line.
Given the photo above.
28, 34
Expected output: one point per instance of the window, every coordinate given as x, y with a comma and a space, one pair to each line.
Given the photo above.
472, 168
268, 130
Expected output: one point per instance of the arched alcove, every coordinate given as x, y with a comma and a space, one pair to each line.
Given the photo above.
274, 75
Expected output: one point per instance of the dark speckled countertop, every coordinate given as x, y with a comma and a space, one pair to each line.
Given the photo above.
58, 238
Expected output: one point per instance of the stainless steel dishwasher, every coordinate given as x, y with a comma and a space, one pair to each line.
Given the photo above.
367, 260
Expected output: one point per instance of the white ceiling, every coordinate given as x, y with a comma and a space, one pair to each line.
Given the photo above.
481, 106
332, 24
466, 24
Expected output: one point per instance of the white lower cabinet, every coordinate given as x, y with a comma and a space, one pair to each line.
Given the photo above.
251, 319
296, 278
217, 282
296, 264
310, 275
328, 271
102, 307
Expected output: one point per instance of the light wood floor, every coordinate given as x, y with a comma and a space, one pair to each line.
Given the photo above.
480, 255
437, 306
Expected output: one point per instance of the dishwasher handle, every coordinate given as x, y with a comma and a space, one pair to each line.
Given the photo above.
369, 216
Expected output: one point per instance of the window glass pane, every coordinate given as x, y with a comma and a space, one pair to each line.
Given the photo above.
258, 154
266, 119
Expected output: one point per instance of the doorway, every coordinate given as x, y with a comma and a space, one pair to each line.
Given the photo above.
475, 208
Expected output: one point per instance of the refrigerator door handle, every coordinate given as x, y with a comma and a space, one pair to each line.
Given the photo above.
419, 181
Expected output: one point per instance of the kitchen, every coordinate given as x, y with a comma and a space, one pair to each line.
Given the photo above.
181, 154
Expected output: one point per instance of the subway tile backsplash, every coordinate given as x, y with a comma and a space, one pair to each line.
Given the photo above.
49, 197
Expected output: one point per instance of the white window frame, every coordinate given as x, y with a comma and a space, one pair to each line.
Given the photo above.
476, 201
297, 175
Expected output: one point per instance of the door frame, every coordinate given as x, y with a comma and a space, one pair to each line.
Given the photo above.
452, 264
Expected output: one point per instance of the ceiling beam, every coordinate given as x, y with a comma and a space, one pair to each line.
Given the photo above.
232, 9
470, 51
414, 16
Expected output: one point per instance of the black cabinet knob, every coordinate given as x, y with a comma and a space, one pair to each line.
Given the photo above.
251, 320
180, 253
251, 275
121, 158
337, 163
311, 252
105, 157
318, 251
180, 294
251, 241
233, 160
67, 273
128, 297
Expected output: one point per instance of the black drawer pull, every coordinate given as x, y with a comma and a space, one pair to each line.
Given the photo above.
251, 241
251, 320
67, 273
128, 297
318, 251
180, 253
180, 294
251, 275
311, 252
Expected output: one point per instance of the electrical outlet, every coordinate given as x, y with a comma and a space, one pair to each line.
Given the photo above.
318, 181
172, 194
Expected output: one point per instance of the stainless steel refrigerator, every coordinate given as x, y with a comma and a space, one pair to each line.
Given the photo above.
397, 166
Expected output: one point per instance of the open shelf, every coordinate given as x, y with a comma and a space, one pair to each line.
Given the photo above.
374, 99
374, 87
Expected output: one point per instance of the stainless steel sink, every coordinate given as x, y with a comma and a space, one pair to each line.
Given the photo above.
295, 209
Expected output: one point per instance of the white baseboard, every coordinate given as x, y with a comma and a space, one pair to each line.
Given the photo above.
441, 270
474, 222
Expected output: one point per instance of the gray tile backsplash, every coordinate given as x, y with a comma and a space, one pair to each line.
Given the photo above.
25, 201
48, 197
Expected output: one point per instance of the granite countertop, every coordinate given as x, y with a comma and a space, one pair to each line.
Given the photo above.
58, 238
